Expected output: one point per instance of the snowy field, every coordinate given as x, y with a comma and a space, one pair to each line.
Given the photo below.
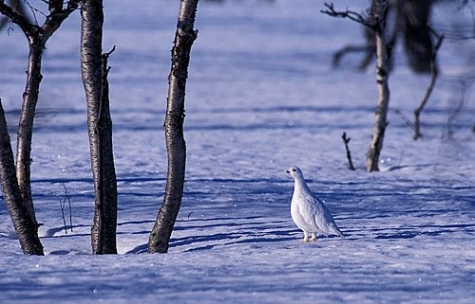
262, 96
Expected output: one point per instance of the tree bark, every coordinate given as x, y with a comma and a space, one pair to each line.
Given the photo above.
94, 75
25, 228
37, 37
25, 127
176, 148
382, 75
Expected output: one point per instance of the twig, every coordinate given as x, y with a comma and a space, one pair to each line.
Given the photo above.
400, 158
109, 53
357, 17
67, 197
434, 73
451, 119
346, 141
61, 204
33, 11
404, 118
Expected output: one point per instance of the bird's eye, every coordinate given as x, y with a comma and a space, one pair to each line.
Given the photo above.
293, 169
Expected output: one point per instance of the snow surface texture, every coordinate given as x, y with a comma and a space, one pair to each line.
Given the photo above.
261, 96
308, 212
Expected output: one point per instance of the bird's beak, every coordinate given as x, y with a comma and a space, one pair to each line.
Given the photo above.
288, 171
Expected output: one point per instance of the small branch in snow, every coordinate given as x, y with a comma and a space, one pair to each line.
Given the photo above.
346, 141
62, 204
455, 113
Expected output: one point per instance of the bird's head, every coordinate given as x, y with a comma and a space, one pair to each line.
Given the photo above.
295, 172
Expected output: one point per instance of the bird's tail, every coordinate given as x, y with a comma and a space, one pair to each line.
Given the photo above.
336, 231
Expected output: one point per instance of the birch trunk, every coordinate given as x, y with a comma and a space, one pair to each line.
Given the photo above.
37, 37
25, 126
382, 74
25, 228
94, 75
176, 148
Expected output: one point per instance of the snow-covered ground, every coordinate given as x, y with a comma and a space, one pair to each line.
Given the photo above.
262, 96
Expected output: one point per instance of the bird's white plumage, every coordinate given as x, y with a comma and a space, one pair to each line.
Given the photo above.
308, 212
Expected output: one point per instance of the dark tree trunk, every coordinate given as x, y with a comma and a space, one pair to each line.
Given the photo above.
94, 74
184, 37
415, 17
434, 73
37, 37
25, 228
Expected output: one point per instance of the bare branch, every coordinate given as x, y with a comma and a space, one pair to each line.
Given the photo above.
405, 119
54, 20
17, 18
34, 10
109, 53
430, 88
51, 24
450, 121
347, 14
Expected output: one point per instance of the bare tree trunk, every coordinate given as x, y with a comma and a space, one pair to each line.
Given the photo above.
94, 74
37, 37
382, 75
25, 126
176, 148
25, 228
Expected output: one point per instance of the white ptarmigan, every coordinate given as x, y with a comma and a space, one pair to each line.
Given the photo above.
308, 212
